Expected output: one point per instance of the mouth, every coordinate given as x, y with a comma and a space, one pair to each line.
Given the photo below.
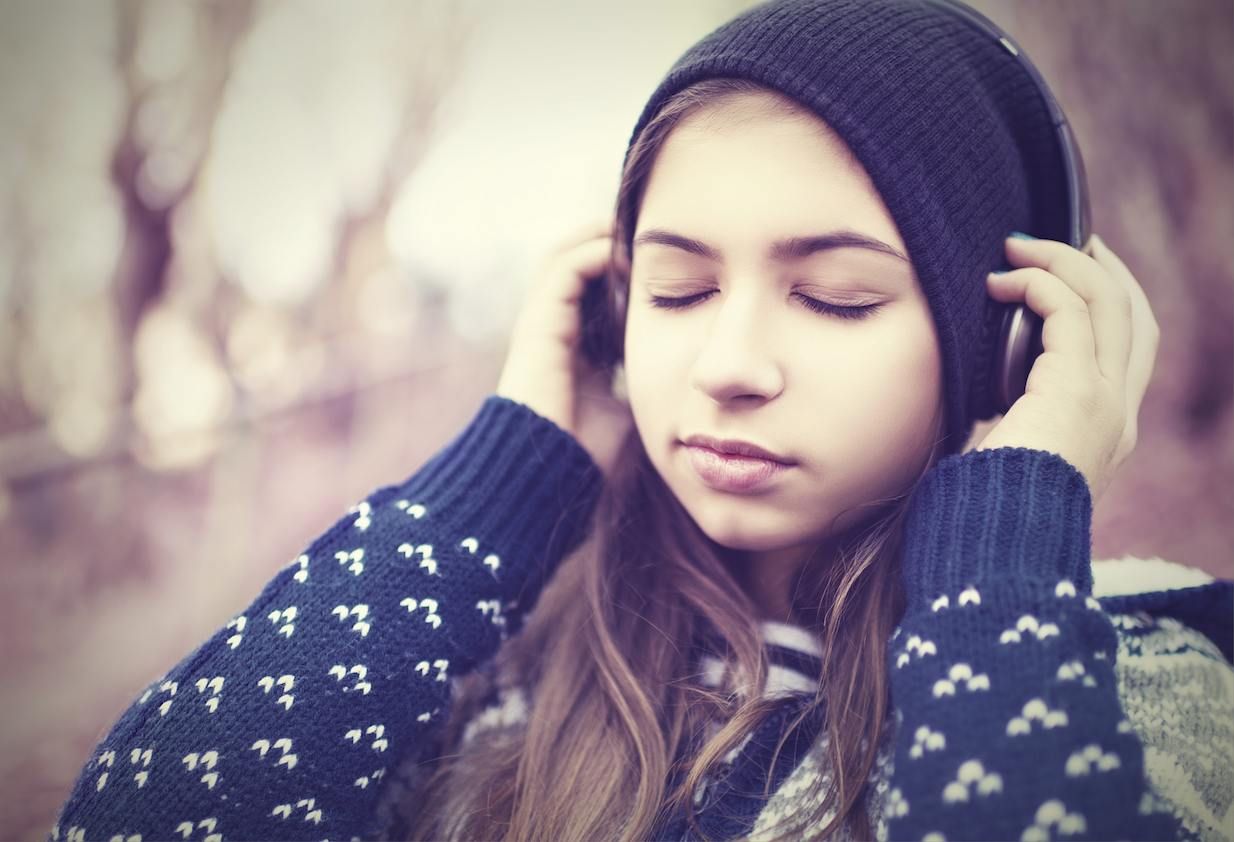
736, 447
734, 473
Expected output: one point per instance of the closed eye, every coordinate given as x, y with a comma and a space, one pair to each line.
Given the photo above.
862, 312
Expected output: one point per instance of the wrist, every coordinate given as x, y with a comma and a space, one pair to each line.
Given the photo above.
997, 514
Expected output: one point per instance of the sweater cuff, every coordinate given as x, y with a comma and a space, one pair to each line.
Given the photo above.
996, 515
513, 479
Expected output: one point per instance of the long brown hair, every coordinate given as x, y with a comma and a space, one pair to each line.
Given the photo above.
617, 713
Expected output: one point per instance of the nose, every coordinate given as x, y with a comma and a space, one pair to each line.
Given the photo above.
738, 359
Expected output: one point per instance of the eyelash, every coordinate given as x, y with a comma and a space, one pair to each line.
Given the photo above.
852, 313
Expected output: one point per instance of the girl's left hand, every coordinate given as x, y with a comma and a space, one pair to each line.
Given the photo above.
1083, 395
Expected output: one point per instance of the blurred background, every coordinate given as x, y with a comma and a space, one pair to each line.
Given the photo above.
257, 259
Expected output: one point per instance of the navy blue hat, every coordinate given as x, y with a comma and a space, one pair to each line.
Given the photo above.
954, 132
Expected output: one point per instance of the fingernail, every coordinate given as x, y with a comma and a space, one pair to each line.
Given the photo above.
1020, 235
998, 272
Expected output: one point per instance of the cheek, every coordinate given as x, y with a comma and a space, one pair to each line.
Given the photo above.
896, 368
644, 390
892, 393
650, 367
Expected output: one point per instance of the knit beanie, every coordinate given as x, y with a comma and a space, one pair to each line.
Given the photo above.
952, 130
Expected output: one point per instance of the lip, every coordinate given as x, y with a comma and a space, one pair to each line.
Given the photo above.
736, 447
733, 473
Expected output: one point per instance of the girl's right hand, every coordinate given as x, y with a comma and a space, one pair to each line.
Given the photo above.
1083, 396
545, 369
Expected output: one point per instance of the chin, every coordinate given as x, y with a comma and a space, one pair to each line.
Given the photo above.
731, 534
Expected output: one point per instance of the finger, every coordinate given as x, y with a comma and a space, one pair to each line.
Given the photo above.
1067, 329
583, 264
1145, 332
560, 290
1087, 248
590, 230
1118, 270
553, 307
1108, 302
560, 273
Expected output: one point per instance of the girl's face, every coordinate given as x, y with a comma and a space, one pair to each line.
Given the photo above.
738, 218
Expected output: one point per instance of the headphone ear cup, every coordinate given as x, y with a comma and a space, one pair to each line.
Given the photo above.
1017, 346
601, 337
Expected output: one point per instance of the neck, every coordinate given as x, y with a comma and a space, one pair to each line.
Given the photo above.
771, 578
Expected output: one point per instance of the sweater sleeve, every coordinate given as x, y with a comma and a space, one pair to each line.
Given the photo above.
1010, 724
283, 724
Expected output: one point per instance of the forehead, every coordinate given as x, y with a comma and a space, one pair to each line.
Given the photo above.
752, 110
756, 160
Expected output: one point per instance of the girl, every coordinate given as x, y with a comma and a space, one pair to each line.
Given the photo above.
772, 596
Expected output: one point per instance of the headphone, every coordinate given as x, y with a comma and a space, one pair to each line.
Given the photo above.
1019, 333
1018, 343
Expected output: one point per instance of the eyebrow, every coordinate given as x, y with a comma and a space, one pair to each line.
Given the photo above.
781, 251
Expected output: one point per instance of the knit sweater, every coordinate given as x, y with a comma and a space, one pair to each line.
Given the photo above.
1025, 706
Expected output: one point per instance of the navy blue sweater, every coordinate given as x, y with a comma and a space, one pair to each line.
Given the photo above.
286, 722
